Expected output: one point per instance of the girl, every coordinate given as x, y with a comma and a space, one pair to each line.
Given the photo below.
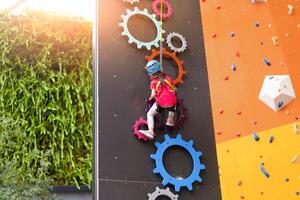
164, 92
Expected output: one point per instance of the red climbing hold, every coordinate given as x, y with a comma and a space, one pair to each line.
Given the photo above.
226, 78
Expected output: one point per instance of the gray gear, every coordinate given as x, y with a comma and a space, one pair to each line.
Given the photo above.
132, 1
172, 47
162, 192
131, 39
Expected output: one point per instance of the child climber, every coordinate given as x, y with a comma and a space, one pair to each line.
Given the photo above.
164, 92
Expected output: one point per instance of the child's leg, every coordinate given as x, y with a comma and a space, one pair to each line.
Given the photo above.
150, 117
150, 121
170, 119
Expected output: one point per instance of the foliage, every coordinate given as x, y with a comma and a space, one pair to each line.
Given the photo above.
14, 183
46, 87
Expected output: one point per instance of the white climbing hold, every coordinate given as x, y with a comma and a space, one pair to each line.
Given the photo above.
275, 40
256, 1
296, 128
290, 9
294, 159
277, 91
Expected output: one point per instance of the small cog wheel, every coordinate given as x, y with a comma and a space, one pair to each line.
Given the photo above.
132, 1
157, 10
136, 131
182, 39
160, 169
179, 63
162, 192
131, 39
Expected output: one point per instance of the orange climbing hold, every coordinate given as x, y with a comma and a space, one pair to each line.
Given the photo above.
179, 63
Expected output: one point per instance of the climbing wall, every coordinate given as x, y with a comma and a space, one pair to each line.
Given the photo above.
125, 163
257, 147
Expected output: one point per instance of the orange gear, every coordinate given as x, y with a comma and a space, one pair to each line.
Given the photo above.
181, 71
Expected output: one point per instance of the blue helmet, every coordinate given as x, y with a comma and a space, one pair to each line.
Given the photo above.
152, 67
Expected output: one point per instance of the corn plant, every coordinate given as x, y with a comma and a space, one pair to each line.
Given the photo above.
46, 87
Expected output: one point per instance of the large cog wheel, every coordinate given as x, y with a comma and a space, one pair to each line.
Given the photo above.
182, 39
179, 63
131, 39
162, 192
132, 1
160, 169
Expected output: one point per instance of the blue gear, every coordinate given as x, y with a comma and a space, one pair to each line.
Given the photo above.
152, 67
160, 169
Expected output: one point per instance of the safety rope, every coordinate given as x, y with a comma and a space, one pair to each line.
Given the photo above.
161, 36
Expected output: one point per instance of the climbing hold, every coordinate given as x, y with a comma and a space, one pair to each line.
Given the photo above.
132, 1
275, 41
238, 134
262, 169
267, 62
181, 71
296, 128
131, 39
219, 132
181, 38
277, 91
219, 7
160, 168
136, 126
297, 193
256, 24
287, 112
237, 54
238, 112
287, 179
221, 111
290, 9
280, 104
157, 10
232, 34
255, 136
226, 78
294, 159
233, 67
240, 183
271, 138
214, 35
162, 192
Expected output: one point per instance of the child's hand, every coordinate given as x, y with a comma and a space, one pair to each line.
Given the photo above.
151, 97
